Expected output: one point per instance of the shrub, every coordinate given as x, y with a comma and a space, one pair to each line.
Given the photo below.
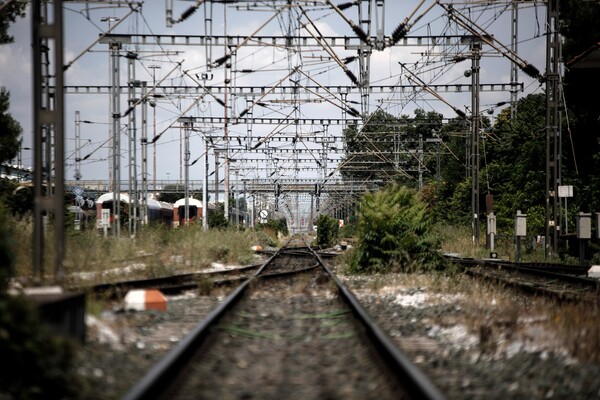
327, 230
395, 232
35, 364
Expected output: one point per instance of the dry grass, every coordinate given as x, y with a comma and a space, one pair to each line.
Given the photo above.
459, 239
155, 251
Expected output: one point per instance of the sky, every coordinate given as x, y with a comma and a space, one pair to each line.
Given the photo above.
258, 66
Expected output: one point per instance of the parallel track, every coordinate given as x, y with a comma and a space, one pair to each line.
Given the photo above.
562, 282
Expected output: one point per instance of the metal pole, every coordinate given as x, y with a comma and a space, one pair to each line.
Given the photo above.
154, 68
144, 141
116, 145
476, 55
514, 69
205, 188
187, 126
553, 148
131, 149
48, 117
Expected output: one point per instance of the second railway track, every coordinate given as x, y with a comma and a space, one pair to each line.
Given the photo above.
290, 331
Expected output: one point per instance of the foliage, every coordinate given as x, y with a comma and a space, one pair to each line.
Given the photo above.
327, 230
7, 255
279, 225
384, 147
515, 171
216, 217
36, 364
9, 12
11, 129
172, 193
395, 232
267, 234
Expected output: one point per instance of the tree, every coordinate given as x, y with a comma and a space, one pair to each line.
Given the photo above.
9, 12
172, 193
370, 150
10, 130
392, 149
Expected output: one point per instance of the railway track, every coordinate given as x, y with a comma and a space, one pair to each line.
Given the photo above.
291, 330
562, 282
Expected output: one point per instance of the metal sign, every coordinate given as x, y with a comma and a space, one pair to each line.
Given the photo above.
565, 191
105, 217
78, 191
264, 214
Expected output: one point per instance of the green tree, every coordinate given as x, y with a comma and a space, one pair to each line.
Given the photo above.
216, 217
327, 230
11, 130
370, 150
516, 164
392, 149
172, 193
9, 12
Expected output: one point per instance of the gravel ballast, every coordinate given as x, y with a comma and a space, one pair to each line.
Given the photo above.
473, 341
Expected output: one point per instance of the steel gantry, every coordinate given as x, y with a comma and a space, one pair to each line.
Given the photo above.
48, 132
292, 88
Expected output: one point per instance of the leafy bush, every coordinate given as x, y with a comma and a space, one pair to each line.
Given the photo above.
35, 364
395, 232
327, 230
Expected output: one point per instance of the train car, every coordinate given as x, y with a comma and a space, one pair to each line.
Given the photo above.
194, 211
166, 213
105, 202
158, 211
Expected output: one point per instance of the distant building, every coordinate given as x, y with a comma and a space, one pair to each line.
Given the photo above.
16, 172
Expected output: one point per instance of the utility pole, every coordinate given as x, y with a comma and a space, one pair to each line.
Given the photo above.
131, 128
553, 136
144, 141
514, 68
205, 187
187, 125
154, 68
116, 135
475, 123
48, 118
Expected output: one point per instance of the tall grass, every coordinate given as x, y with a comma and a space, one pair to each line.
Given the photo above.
155, 251
459, 240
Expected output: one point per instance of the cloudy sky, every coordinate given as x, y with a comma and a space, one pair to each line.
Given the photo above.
257, 66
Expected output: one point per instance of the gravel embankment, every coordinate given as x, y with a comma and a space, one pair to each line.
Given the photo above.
475, 342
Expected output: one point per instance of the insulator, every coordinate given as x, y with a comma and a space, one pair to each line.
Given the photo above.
353, 111
460, 113
220, 61
399, 33
360, 33
352, 77
345, 6
186, 14
531, 71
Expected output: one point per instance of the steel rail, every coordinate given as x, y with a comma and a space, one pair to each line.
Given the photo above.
414, 382
168, 367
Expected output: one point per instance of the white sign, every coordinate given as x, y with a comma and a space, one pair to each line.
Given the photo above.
105, 217
565, 191
264, 214
78, 191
